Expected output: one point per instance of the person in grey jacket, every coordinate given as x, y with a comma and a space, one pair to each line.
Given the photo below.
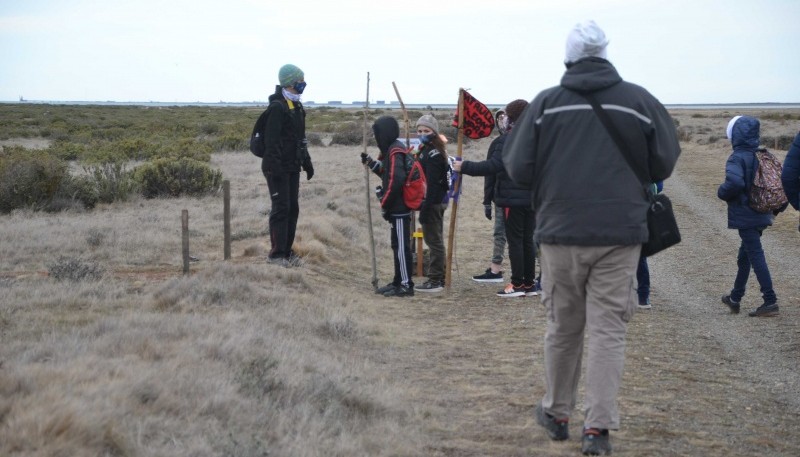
590, 211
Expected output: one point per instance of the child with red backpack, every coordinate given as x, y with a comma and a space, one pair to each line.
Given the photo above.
392, 168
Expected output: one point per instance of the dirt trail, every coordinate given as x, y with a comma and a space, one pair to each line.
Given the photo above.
698, 380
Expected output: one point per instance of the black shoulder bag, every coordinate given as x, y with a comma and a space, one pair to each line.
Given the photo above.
661, 224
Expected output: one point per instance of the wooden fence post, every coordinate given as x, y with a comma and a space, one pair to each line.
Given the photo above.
185, 237
226, 216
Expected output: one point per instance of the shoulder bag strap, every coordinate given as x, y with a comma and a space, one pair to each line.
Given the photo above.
642, 175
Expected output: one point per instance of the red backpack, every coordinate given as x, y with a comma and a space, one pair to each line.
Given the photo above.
415, 186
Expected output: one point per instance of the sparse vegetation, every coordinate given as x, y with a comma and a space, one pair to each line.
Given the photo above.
241, 358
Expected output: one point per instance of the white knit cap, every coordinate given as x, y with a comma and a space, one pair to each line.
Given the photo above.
730, 126
586, 39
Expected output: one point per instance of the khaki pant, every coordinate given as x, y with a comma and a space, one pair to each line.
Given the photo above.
587, 288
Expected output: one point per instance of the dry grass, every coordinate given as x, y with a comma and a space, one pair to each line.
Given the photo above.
245, 359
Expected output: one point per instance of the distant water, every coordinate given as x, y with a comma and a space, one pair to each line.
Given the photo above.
414, 106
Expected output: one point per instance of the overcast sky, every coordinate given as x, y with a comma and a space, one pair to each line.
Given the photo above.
682, 51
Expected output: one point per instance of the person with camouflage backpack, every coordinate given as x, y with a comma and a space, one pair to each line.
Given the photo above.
740, 169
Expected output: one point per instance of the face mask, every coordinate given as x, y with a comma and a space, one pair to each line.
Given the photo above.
300, 86
425, 139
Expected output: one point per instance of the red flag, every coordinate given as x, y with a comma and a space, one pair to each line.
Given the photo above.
478, 119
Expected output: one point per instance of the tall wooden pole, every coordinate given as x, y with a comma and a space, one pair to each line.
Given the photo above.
369, 199
408, 147
448, 272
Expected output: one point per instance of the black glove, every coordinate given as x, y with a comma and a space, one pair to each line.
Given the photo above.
386, 216
365, 158
309, 168
487, 211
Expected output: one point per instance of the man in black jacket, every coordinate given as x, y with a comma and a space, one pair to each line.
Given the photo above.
590, 223
286, 152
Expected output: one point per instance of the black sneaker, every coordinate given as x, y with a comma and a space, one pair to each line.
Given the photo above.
384, 289
733, 305
532, 290
430, 286
644, 303
511, 291
557, 429
765, 310
488, 276
400, 291
595, 442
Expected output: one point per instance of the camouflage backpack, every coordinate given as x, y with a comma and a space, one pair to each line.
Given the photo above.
766, 193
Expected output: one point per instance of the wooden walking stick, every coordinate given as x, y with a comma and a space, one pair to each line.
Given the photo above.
369, 198
456, 190
415, 233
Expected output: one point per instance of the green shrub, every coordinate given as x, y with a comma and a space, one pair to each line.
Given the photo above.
314, 139
66, 150
28, 178
111, 181
230, 142
74, 192
176, 177
186, 148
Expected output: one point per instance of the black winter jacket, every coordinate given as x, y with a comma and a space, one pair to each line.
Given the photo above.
506, 193
284, 136
584, 192
393, 165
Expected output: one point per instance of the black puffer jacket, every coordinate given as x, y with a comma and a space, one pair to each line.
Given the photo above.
284, 136
506, 193
393, 165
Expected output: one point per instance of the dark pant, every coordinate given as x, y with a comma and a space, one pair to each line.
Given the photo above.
401, 248
751, 254
283, 191
499, 235
520, 223
432, 234
643, 280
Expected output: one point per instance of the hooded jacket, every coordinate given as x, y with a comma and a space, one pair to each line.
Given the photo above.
393, 165
505, 192
284, 136
584, 192
739, 171
790, 175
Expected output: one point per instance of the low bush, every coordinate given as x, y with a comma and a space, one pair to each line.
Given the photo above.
75, 192
177, 177
111, 181
29, 178
75, 269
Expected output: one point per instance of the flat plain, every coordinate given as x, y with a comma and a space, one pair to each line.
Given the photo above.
241, 358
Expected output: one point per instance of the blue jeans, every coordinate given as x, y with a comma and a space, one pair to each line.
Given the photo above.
643, 280
752, 254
